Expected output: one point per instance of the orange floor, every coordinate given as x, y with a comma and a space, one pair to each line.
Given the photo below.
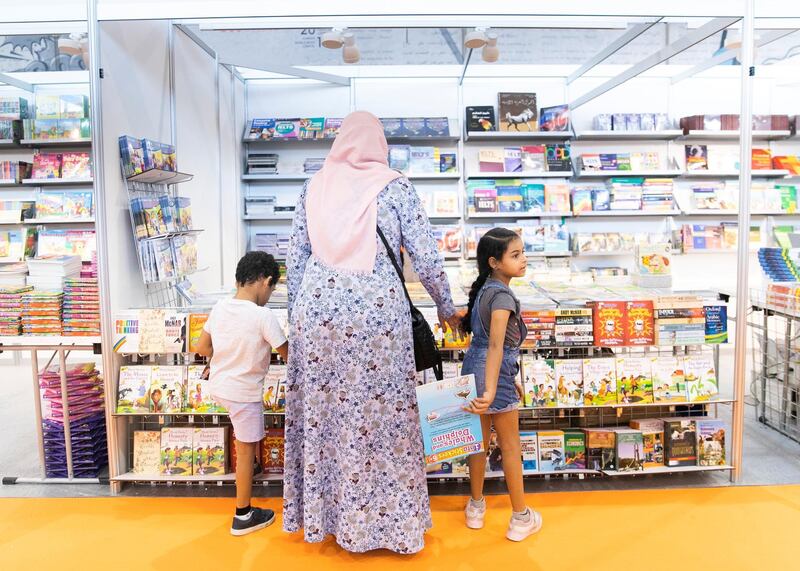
710, 529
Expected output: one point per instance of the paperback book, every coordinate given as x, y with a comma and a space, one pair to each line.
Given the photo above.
176, 451
652, 441
210, 451
517, 111
599, 381
634, 380
551, 450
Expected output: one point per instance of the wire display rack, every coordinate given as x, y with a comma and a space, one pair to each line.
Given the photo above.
775, 381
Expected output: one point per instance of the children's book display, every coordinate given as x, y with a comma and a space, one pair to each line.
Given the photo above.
73, 205
66, 166
14, 171
315, 128
56, 116
140, 155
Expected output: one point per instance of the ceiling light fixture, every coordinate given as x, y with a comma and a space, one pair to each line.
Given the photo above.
490, 52
350, 52
475, 39
333, 40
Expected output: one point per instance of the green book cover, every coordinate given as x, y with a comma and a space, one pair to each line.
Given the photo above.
574, 450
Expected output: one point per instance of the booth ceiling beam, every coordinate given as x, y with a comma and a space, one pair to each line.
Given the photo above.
18, 83
197, 39
256, 63
452, 44
685, 42
726, 55
623, 40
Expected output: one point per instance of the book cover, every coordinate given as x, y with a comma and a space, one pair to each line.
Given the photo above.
509, 199
448, 163
491, 160
164, 260
287, 128
551, 450
761, 159
146, 452
311, 128
512, 159
555, 118
133, 393
183, 205
210, 451
275, 389
517, 111
533, 197
716, 324
448, 431
696, 157
639, 329
530, 451
569, 379
710, 442
610, 321
170, 157
73, 106
437, 127
600, 449
393, 127
630, 446
485, 200
153, 158
167, 389
78, 204
76, 166
198, 393
634, 380
48, 106
423, 160
581, 200
558, 158
46, 165
196, 322
481, 118
445, 203
272, 451
332, 126
652, 430
669, 381
599, 381
601, 199
413, 126
50, 205
556, 198
400, 157
701, 377
176, 451
680, 442
261, 129
533, 158
539, 378
574, 450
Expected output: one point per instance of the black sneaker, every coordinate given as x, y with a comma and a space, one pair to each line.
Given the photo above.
259, 519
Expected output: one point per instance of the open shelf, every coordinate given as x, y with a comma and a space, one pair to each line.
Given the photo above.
422, 139
8, 143
626, 213
210, 478
637, 174
434, 176
57, 181
506, 215
666, 470
9, 183
666, 135
171, 234
268, 218
55, 142
518, 136
520, 174
603, 254
755, 173
36, 221
45, 340
158, 176
721, 400
734, 213
732, 135
277, 177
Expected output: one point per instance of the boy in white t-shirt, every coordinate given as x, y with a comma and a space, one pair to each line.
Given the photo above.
239, 337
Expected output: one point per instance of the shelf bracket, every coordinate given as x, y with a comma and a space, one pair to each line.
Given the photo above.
14, 82
623, 40
688, 40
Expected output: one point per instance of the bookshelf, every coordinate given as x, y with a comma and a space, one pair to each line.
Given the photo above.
518, 136
695, 135
755, 173
57, 181
666, 135
55, 143
520, 174
621, 174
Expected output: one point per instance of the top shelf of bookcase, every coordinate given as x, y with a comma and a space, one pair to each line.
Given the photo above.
55, 142
158, 176
518, 136
733, 135
665, 135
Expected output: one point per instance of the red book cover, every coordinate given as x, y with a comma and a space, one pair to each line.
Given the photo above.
272, 451
610, 323
640, 329
762, 159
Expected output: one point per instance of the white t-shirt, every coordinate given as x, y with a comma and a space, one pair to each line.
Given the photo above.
243, 335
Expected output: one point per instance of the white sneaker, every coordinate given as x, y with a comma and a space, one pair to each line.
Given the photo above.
475, 514
519, 530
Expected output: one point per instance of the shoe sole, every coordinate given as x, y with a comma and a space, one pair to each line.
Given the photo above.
473, 524
240, 532
522, 536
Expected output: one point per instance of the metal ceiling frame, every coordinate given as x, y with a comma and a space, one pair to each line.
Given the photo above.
14, 82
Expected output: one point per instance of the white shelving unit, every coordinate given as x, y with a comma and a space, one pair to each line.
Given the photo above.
518, 136
56, 142
667, 135
626, 213
520, 174
56, 181
694, 135
757, 173
636, 174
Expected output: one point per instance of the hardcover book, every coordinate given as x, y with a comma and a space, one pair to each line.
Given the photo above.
599, 381
517, 111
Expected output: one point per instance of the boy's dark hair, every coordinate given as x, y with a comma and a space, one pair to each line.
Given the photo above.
256, 265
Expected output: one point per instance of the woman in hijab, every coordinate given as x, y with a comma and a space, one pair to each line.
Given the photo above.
354, 463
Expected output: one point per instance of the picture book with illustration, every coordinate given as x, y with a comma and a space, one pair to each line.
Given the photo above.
272, 451
167, 389
133, 393
146, 452
569, 382
710, 442
198, 396
634, 380
176, 451
669, 381
701, 377
210, 451
599, 381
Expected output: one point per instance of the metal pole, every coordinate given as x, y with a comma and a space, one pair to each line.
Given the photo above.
37, 404
743, 246
62, 372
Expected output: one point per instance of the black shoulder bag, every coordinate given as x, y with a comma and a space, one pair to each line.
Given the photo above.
426, 354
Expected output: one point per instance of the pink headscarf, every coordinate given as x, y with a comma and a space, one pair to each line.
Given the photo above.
342, 198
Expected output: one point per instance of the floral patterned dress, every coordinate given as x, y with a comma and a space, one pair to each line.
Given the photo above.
354, 464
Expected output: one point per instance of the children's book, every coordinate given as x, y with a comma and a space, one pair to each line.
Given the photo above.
680, 442
696, 157
574, 450
652, 430
210, 451
164, 261
634, 380
551, 450
610, 321
275, 389
600, 449
517, 111
130, 149
710, 442
701, 377
167, 389
176, 451
76, 166
170, 157
599, 381
630, 446
669, 380
540, 379
640, 328
50, 205
581, 200
133, 394
77, 204
569, 379
494, 457
183, 206
196, 322
46, 165
530, 455
146, 452
198, 393
48, 106
153, 158
556, 198
272, 454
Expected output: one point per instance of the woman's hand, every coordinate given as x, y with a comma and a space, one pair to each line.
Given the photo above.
454, 321
481, 404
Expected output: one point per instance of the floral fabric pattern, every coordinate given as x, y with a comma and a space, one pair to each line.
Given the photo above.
354, 464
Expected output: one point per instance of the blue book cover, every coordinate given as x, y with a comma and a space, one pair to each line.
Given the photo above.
716, 324
262, 129
437, 127
448, 431
413, 127
509, 198
393, 127
533, 196
168, 212
601, 199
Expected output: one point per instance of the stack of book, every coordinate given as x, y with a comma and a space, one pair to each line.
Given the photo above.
81, 307
273, 243
262, 163
41, 312
657, 194
86, 421
48, 272
626, 193
778, 265
313, 164
11, 310
632, 122
13, 275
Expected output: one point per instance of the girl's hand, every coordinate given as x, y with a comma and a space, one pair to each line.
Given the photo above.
454, 321
520, 392
481, 404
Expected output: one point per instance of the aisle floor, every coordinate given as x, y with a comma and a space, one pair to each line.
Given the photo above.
737, 528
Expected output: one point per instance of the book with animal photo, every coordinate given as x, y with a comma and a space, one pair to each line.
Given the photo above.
517, 112
569, 379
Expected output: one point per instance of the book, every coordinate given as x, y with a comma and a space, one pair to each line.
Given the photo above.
639, 328
517, 111
491, 160
210, 451
716, 317
533, 158
170, 157
530, 451
610, 322
710, 442
512, 159
481, 118
275, 389
287, 128
46, 165
153, 158
701, 377
599, 381
196, 321
76, 165
48, 106
696, 157
393, 127
413, 127
448, 163
133, 392
581, 200
539, 378
569, 382
558, 158
556, 198
634, 380
600, 449
485, 200
509, 199
146, 452
311, 128
198, 396
574, 450
424, 160
272, 451
555, 118
183, 207
400, 157
533, 196
630, 445
73, 106
437, 127
167, 389
176, 451
652, 430
669, 381
261, 129
680, 442
551, 450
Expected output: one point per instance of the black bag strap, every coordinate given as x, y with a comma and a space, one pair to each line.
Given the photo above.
397, 267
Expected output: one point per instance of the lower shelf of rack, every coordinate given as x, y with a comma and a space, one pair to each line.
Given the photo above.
667, 470
166, 478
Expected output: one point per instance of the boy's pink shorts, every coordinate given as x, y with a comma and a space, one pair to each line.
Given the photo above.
247, 419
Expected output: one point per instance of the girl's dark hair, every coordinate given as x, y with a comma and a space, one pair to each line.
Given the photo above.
493, 244
254, 266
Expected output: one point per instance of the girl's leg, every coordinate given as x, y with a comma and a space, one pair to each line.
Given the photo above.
477, 462
507, 426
